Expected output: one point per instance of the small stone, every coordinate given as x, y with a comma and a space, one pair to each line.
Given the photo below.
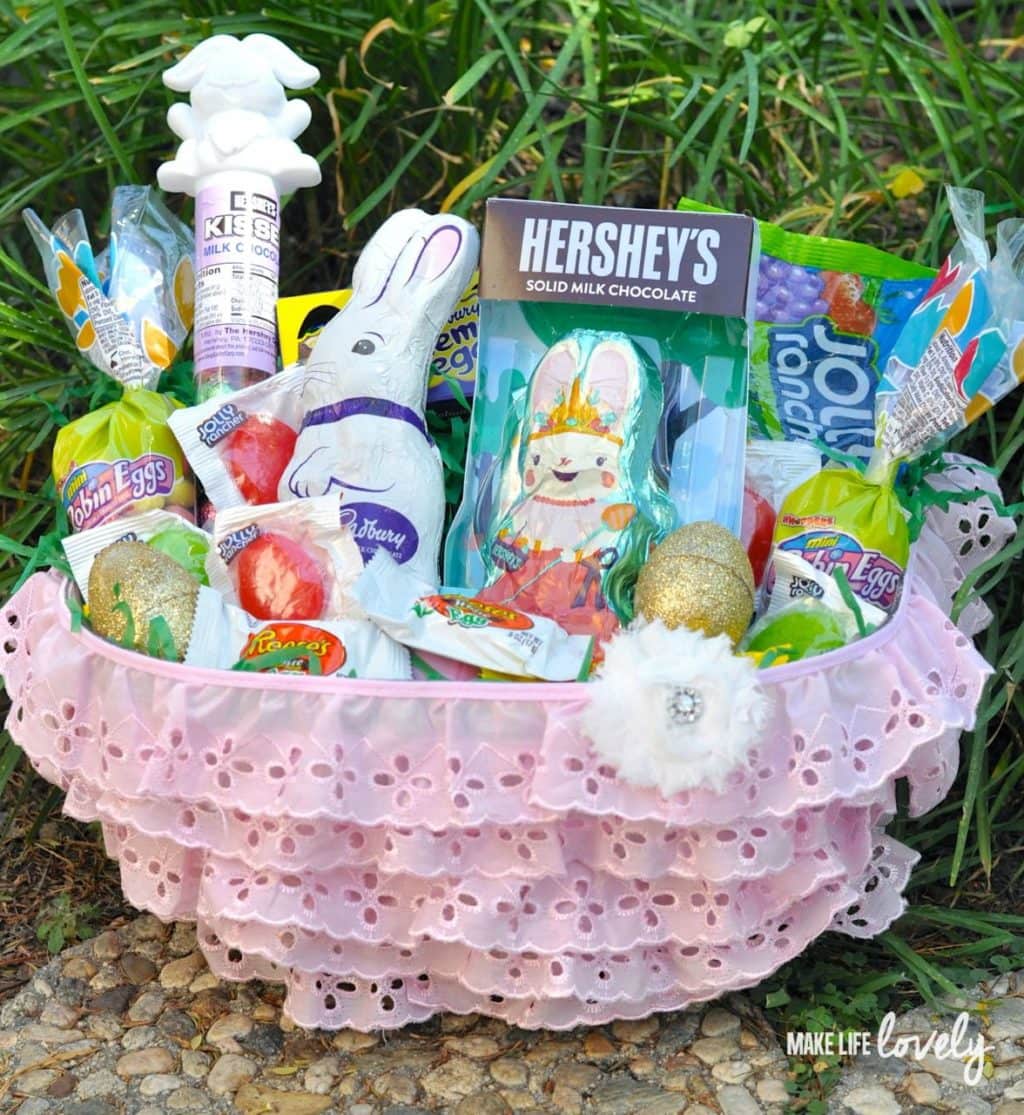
1011, 1108
548, 1051
60, 1015
37, 1105
264, 1040
579, 1077
565, 1100
183, 939
264, 1012
205, 981
361, 1109
116, 999
676, 1081
731, 1072
159, 1083
107, 946
973, 1105
147, 1006
142, 1062
79, 968
749, 1040
1015, 1091
718, 1022
623, 1094
140, 1037
596, 1046
177, 1024
772, 1091
509, 1072
100, 1083
321, 1075
734, 1099
255, 1099
90, 1107
224, 1033
195, 1064
698, 1109
180, 973
104, 1027
63, 1086
635, 1030
137, 969
188, 1099
35, 1083
458, 1023
230, 1073
106, 978
872, 1100
395, 1087
456, 1078
1007, 1019
713, 1050
352, 1041
475, 1045
923, 1088
146, 928
643, 1066
487, 1103
49, 1035
519, 1099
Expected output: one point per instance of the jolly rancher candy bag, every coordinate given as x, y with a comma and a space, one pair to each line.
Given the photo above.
129, 310
826, 316
960, 352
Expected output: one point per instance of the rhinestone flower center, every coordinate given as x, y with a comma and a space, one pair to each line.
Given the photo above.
683, 705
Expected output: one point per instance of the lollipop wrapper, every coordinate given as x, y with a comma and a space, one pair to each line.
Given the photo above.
120, 460
128, 308
226, 637
289, 560
171, 534
840, 519
467, 629
239, 446
962, 349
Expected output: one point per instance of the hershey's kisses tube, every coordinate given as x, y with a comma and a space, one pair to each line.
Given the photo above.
238, 229
237, 158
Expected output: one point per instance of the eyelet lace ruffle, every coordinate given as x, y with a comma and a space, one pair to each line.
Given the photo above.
388, 850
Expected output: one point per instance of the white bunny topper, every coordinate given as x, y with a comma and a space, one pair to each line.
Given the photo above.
364, 434
239, 118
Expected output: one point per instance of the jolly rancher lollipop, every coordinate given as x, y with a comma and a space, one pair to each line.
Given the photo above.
237, 157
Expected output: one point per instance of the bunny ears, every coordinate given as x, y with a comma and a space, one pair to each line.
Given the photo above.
260, 51
585, 384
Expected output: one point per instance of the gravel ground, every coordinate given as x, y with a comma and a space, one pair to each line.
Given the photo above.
133, 1022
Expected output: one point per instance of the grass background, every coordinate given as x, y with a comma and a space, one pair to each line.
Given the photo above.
805, 114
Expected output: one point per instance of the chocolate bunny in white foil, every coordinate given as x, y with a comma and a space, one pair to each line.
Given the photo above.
364, 432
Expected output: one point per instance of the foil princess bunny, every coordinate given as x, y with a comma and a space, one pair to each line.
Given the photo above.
571, 543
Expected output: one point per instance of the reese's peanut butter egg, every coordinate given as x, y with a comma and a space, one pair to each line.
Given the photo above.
131, 585
700, 577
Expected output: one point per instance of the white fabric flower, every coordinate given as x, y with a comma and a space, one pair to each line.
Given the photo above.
674, 709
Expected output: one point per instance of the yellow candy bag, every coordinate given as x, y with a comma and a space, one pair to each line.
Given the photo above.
129, 310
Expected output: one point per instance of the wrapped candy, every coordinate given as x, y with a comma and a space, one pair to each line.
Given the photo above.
129, 310
289, 561
239, 447
143, 599
961, 351
826, 315
160, 530
587, 506
466, 629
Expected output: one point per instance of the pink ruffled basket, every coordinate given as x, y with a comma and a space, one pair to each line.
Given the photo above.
393, 849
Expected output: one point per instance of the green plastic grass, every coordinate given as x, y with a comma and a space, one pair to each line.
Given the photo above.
802, 114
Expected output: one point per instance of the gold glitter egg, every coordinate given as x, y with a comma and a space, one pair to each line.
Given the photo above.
130, 585
699, 577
